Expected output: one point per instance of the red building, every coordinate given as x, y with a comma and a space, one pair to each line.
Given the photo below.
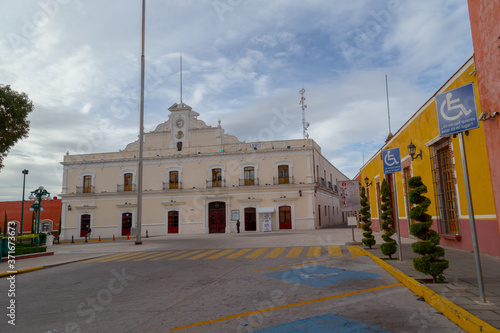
485, 26
49, 218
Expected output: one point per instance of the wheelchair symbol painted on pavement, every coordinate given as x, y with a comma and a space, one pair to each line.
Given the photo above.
453, 104
390, 160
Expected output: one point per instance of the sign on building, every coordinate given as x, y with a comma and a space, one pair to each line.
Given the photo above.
349, 195
456, 110
391, 160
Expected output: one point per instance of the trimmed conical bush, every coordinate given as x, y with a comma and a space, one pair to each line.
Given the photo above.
390, 246
428, 244
369, 239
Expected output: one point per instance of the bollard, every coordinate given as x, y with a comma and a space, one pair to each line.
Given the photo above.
72, 239
147, 234
114, 237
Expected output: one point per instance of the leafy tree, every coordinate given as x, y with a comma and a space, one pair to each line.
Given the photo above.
14, 109
369, 239
427, 246
390, 245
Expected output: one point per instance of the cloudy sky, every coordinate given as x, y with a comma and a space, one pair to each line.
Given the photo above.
244, 62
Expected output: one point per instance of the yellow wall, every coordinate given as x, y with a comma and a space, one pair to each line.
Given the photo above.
421, 129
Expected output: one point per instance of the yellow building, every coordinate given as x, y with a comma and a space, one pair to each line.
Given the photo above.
441, 169
197, 179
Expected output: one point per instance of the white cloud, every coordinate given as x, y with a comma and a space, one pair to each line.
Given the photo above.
243, 64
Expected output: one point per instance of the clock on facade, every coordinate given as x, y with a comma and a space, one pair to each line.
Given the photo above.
179, 123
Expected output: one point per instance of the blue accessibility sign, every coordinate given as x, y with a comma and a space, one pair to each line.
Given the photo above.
456, 110
391, 160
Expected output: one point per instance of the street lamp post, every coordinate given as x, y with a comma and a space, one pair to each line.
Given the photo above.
25, 172
38, 195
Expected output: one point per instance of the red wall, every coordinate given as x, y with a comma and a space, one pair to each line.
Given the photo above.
51, 211
485, 26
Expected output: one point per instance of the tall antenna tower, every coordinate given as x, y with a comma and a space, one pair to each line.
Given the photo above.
303, 104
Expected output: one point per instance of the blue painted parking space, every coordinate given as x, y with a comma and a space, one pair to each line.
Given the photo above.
325, 323
321, 276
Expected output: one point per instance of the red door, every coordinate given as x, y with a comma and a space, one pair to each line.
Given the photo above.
126, 223
84, 225
173, 222
285, 217
217, 217
250, 219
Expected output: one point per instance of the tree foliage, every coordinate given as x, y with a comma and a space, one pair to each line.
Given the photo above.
390, 245
14, 110
369, 239
427, 246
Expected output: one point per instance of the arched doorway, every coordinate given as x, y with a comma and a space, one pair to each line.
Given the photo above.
84, 224
217, 217
126, 224
173, 222
285, 218
250, 219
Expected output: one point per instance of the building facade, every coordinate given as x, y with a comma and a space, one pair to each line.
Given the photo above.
485, 26
198, 180
49, 217
440, 166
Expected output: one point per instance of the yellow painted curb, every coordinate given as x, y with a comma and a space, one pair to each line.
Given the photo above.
21, 271
456, 314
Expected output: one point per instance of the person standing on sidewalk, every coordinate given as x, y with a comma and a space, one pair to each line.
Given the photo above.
238, 226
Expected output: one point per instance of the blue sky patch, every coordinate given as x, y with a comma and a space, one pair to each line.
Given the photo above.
321, 276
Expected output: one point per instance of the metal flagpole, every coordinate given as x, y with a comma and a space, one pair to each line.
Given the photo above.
471, 218
138, 240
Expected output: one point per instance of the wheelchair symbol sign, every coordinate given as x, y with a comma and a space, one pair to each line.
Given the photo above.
456, 110
391, 160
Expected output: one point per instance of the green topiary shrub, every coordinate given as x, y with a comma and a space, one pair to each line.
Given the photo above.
427, 246
369, 239
390, 246
43, 237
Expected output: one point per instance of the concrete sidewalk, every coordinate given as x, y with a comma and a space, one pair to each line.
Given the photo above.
461, 288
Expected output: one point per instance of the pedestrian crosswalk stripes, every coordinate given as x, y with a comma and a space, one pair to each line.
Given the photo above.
314, 251
248, 253
334, 251
276, 252
238, 253
220, 254
256, 253
295, 252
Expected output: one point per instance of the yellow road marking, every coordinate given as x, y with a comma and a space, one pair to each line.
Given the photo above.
256, 253
334, 251
168, 255
314, 251
221, 254
245, 314
276, 252
203, 254
294, 252
301, 264
135, 256
355, 250
121, 257
106, 257
185, 255
151, 255
238, 253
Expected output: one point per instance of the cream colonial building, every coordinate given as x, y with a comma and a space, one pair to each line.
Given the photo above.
197, 180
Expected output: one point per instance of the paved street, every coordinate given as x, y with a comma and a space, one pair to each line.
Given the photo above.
219, 283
